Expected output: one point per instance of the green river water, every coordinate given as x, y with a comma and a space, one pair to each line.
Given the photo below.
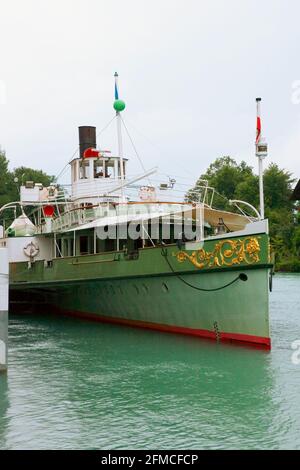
82, 385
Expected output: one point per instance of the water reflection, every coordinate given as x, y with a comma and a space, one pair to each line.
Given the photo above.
73, 384
4, 405
77, 384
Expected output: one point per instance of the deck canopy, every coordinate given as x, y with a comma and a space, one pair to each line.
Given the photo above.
231, 220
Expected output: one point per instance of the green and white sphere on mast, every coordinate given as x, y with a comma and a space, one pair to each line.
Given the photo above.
119, 105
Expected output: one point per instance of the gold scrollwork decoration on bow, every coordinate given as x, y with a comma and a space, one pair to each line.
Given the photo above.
225, 253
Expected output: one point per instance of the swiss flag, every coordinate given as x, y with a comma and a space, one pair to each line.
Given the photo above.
258, 129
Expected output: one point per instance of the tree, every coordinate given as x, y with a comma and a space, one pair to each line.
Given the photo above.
296, 242
230, 181
23, 174
248, 190
5, 180
277, 188
237, 181
10, 182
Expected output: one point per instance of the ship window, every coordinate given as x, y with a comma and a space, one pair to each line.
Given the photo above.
98, 168
84, 245
110, 169
71, 247
119, 169
58, 248
65, 247
110, 245
84, 169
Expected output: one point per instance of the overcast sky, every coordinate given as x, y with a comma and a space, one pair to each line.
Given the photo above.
189, 73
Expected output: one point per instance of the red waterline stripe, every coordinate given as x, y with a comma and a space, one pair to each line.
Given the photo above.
225, 337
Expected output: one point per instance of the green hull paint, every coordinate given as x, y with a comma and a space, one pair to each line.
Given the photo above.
111, 286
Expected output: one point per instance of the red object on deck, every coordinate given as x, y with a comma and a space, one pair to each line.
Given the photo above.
91, 152
48, 211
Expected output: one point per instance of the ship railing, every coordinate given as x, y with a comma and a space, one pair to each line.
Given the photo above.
82, 215
202, 193
75, 217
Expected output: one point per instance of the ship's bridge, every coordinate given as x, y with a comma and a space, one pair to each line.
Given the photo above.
97, 175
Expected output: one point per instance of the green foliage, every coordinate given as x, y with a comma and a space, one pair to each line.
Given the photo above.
10, 181
237, 181
277, 188
23, 174
280, 210
5, 180
247, 190
230, 181
296, 241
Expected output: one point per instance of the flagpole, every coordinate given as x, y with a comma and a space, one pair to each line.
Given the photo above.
261, 151
119, 106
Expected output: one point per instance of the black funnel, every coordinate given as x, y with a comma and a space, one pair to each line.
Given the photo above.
87, 138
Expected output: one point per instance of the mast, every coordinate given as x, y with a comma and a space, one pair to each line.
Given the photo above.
119, 106
261, 151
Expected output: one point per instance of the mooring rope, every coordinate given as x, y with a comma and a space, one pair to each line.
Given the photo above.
241, 276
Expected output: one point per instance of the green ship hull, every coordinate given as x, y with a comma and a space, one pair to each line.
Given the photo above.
219, 291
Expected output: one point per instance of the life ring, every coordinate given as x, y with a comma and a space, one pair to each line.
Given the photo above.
31, 250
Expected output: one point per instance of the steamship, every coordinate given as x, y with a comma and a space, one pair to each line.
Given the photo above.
98, 254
